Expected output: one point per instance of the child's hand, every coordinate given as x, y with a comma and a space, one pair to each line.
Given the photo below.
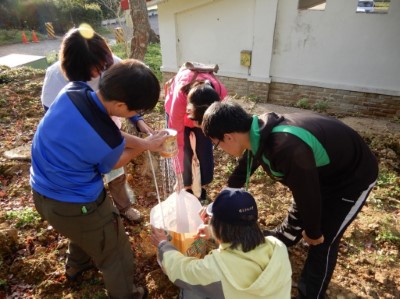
203, 231
203, 215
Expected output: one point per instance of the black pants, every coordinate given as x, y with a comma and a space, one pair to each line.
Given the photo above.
337, 215
204, 153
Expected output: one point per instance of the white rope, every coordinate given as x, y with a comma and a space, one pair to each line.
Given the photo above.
158, 193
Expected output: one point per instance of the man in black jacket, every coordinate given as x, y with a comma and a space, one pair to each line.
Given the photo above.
326, 165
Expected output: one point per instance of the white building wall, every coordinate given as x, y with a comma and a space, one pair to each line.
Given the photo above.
216, 31
338, 48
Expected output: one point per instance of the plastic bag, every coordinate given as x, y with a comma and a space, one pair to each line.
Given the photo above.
178, 214
196, 175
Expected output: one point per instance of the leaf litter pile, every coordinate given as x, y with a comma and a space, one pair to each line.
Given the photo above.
32, 254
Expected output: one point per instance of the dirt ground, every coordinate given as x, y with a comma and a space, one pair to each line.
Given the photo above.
32, 254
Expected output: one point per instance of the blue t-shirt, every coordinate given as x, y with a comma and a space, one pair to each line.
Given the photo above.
75, 143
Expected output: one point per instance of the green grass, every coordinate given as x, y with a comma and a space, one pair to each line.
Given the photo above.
386, 178
388, 185
389, 235
152, 57
119, 50
24, 218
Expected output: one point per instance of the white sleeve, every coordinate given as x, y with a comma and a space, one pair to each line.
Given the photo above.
54, 81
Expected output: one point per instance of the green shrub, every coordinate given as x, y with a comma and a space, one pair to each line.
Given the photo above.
320, 106
34, 15
52, 57
18, 74
302, 103
253, 98
76, 14
9, 36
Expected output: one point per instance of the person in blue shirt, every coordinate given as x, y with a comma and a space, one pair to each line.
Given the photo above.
75, 143
80, 57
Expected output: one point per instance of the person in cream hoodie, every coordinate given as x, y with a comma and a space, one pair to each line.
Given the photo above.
245, 265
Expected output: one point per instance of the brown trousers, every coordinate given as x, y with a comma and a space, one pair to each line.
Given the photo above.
95, 232
119, 193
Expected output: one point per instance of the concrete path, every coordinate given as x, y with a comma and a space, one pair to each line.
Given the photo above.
42, 48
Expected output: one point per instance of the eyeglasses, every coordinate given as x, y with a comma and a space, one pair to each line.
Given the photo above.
102, 68
140, 112
189, 112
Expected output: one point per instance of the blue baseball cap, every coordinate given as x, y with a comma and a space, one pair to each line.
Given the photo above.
235, 206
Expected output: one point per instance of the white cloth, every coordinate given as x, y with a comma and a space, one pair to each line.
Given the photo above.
54, 81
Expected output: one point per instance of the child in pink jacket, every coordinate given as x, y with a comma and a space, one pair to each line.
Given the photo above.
202, 87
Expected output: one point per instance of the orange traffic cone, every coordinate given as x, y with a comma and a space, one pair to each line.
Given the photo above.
34, 37
24, 39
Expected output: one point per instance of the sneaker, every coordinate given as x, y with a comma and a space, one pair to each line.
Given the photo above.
73, 273
132, 215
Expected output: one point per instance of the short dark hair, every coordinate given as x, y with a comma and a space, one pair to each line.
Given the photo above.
225, 117
131, 82
79, 55
201, 96
247, 236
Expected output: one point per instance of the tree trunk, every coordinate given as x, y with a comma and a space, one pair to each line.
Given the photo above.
141, 29
154, 38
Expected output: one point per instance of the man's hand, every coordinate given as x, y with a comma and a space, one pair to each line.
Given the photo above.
314, 242
154, 143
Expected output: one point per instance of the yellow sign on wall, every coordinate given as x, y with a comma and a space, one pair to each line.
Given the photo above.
245, 58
